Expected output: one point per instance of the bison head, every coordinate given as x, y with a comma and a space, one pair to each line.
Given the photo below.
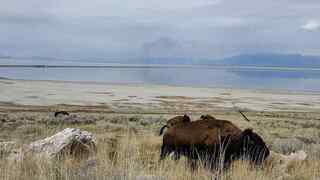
175, 121
252, 147
178, 120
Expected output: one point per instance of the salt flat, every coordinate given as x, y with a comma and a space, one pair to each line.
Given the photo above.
152, 97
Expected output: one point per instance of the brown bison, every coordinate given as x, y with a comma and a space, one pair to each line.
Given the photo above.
214, 142
175, 121
64, 113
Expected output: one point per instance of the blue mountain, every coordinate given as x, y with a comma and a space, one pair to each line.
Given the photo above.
272, 60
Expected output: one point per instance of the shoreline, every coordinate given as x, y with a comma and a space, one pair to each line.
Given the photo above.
262, 90
206, 66
150, 97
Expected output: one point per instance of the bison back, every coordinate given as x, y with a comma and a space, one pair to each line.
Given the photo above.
205, 132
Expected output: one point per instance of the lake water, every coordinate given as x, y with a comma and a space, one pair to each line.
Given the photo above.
251, 78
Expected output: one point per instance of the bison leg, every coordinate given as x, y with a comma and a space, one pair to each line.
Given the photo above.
176, 156
165, 151
193, 164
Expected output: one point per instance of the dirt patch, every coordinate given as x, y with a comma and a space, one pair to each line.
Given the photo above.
107, 93
175, 97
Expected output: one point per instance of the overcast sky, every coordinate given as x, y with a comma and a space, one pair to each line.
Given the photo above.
124, 29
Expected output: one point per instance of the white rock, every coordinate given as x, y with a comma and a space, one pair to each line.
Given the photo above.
281, 161
285, 159
297, 156
70, 141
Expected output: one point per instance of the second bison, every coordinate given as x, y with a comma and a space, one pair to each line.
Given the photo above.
214, 142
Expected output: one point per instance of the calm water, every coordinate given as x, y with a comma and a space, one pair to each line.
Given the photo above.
295, 80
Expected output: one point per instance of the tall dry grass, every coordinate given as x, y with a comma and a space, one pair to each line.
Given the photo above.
126, 155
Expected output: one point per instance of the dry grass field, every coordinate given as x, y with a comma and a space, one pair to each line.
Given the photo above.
129, 146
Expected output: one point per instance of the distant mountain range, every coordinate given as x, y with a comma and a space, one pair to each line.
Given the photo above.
270, 60
273, 60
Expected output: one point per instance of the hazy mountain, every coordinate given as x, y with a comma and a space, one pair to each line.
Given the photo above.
273, 60
278, 60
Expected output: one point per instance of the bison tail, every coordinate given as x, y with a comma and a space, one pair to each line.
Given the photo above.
161, 130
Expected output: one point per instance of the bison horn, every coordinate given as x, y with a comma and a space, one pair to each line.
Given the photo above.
161, 130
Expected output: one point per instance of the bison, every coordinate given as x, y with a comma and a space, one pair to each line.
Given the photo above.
64, 113
215, 142
175, 121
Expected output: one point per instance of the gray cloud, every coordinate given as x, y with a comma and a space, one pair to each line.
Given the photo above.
311, 25
82, 29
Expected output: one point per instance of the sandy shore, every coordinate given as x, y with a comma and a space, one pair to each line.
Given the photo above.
151, 97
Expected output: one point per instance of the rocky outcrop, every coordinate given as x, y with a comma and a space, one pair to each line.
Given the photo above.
280, 162
70, 141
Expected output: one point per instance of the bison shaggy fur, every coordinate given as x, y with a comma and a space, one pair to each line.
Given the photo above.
214, 142
175, 121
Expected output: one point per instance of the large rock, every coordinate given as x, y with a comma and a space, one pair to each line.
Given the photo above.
280, 162
282, 159
70, 141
